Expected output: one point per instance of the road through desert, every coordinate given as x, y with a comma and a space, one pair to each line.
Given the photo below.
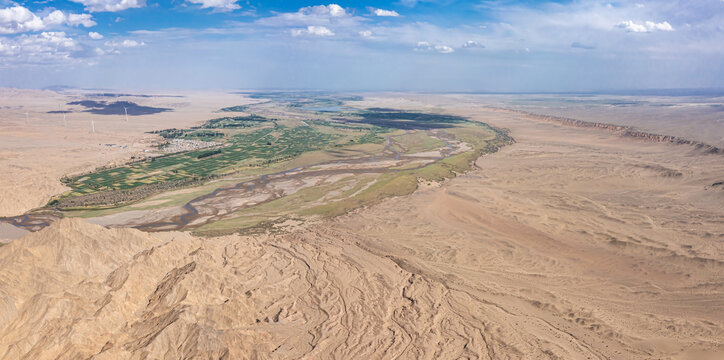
571, 243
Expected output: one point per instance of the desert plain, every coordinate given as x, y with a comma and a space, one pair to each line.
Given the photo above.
570, 242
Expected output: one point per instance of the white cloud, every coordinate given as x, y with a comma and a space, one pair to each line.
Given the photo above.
94, 35
647, 26
336, 10
381, 12
57, 17
662, 26
132, 43
5, 49
110, 5
365, 33
313, 30
125, 44
444, 49
322, 15
219, 5
44, 48
426, 46
18, 19
471, 44
423, 46
330, 10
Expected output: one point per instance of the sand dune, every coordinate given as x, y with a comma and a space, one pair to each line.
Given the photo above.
569, 244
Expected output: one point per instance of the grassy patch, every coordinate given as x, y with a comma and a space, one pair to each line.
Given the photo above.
388, 185
238, 108
418, 142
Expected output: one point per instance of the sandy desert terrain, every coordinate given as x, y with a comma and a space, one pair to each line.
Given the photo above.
37, 148
698, 117
569, 244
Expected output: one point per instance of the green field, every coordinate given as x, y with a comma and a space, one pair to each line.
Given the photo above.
256, 148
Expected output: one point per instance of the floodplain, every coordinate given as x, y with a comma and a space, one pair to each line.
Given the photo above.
290, 156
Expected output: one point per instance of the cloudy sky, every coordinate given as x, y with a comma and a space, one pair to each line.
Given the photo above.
428, 45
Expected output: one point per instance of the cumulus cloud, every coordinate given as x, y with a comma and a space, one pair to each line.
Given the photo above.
219, 5
44, 48
648, 26
58, 17
18, 19
444, 49
381, 12
335, 10
313, 30
110, 5
94, 35
330, 10
321, 15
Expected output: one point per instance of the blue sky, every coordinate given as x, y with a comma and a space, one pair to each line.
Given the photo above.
426, 45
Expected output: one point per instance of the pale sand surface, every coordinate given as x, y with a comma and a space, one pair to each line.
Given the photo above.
34, 154
9, 233
569, 244
693, 117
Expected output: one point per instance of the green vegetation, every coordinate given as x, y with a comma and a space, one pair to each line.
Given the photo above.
264, 144
407, 120
238, 108
354, 192
208, 153
254, 145
417, 142
235, 122
404, 182
205, 135
387, 185
249, 149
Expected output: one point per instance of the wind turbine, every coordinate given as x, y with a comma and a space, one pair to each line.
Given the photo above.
126, 110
